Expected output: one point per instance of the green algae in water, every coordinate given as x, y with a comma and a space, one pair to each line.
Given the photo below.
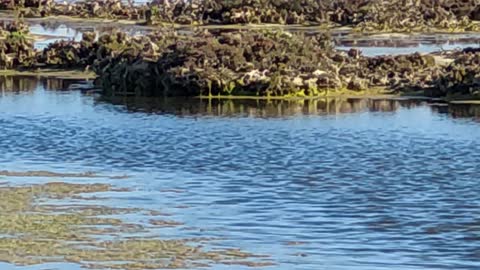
35, 233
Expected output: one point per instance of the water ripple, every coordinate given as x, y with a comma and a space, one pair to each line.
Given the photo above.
362, 189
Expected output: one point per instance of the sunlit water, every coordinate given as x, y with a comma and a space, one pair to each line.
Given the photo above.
337, 184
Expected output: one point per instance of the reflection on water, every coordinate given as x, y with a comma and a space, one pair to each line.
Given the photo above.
258, 108
234, 107
461, 110
325, 184
16, 84
29, 84
407, 44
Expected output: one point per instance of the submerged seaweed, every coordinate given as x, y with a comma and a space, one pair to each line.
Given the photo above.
35, 232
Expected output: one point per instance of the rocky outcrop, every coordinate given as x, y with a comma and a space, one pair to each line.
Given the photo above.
254, 63
363, 15
257, 63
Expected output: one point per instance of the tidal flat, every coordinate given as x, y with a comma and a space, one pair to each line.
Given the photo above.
213, 134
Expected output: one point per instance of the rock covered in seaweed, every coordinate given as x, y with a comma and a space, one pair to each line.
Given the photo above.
231, 63
259, 63
461, 77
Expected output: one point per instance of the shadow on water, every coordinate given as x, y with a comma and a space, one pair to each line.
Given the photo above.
460, 110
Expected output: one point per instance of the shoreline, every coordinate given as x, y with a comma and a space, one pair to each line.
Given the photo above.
72, 74
364, 16
377, 94
8, 15
141, 25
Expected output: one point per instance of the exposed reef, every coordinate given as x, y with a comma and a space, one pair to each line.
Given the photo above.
257, 63
363, 15
272, 64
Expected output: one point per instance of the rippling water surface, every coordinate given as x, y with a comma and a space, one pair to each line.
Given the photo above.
327, 184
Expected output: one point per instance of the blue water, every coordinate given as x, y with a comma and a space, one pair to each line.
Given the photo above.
358, 184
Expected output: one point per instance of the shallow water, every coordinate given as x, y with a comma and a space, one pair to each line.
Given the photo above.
327, 184
407, 44
55, 32
369, 45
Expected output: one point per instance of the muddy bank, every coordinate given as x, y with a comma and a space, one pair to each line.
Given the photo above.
362, 15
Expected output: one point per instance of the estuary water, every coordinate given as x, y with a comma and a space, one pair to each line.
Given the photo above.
326, 184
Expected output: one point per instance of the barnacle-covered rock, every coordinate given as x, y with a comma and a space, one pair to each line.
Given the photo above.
230, 63
237, 62
462, 77
262, 63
